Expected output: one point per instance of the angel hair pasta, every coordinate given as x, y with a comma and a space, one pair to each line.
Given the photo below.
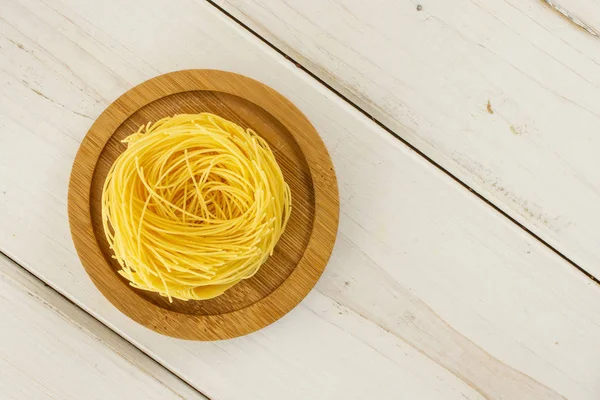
194, 204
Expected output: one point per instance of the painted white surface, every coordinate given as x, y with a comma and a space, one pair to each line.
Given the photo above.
428, 75
429, 294
51, 349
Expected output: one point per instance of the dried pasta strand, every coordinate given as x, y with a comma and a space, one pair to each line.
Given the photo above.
194, 205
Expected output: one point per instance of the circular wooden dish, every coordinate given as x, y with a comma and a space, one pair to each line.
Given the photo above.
303, 250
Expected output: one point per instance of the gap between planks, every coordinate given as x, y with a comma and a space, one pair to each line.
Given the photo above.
128, 342
406, 143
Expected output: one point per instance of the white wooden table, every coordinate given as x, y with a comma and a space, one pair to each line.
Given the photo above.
466, 139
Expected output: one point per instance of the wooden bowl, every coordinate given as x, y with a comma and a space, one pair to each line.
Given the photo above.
299, 257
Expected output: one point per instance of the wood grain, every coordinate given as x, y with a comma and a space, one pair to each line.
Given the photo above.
51, 349
429, 73
300, 256
429, 293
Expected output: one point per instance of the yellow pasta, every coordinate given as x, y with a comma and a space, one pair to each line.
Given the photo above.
194, 205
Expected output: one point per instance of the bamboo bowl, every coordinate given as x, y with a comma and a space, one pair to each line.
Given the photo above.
299, 257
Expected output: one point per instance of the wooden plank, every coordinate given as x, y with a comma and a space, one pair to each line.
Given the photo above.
429, 292
51, 349
505, 95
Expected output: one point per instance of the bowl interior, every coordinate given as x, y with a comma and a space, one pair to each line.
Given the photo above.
293, 242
